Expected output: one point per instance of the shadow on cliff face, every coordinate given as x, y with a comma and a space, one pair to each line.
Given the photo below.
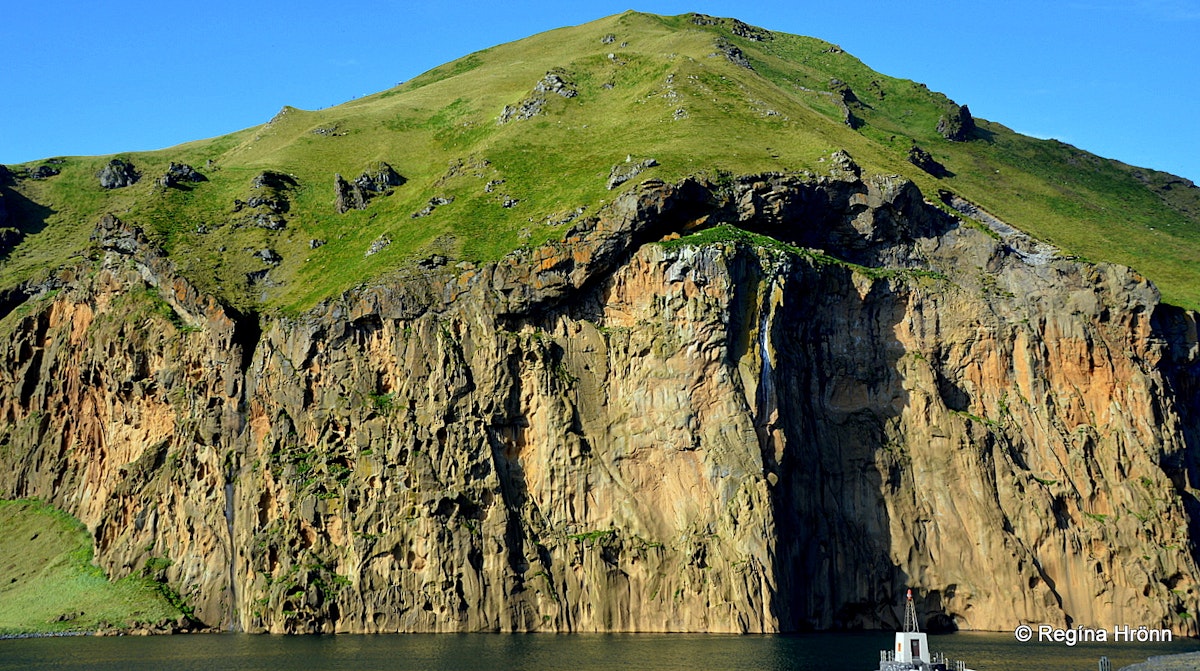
19, 217
837, 388
831, 395
1180, 365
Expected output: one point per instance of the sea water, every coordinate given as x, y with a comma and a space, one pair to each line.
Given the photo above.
549, 652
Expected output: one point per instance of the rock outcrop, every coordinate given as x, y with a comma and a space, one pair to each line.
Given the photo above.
925, 161
555, 82
269, 200
733, 54
180, 176
847, 102
347, 196
725, 433
43, 172
623, 172
957, 124
379, 179
117, 173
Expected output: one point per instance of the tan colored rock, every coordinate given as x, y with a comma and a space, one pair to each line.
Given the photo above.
606, 434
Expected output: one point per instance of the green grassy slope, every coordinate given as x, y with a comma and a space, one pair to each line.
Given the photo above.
661, 88
48, 584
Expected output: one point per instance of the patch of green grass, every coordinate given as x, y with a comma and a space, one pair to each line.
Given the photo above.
593, 536
383, 402
723, 233
48, 582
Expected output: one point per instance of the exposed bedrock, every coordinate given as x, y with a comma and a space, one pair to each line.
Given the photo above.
609, 433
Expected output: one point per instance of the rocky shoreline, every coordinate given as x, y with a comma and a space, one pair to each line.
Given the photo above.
164, 627
1185, 662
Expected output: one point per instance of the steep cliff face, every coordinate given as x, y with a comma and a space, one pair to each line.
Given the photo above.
626, 431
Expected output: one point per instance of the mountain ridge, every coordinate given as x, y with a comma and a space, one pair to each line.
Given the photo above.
660, 89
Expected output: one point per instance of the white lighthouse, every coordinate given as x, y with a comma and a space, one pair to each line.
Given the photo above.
911, 652
912, 646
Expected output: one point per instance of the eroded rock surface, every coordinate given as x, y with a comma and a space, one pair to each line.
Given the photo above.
608, 433
957, 124
116, 174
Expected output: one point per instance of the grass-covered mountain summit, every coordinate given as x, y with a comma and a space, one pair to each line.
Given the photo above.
504, 147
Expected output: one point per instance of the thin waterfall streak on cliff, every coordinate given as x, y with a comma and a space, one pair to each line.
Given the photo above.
766, 383
233, 610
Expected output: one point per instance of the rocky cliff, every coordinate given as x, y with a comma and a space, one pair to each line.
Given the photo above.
767, 427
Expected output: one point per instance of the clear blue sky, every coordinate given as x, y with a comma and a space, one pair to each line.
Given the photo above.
1120, 78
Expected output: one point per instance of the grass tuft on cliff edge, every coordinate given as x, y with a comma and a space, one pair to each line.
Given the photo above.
49, 584
697, 94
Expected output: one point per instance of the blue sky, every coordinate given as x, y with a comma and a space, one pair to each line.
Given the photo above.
1120, 78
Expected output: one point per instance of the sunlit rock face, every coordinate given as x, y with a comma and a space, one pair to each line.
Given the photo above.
625, 431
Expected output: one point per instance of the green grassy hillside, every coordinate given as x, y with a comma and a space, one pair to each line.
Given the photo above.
48, 583
676, 89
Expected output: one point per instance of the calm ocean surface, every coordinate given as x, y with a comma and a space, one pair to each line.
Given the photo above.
539, 652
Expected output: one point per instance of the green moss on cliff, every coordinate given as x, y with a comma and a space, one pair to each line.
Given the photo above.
49, 584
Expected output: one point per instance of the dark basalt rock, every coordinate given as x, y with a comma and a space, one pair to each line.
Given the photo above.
376, 180
736, 27
269, 179
117, 174
623, 172
349, 196
380, 178
7, 178
43, 172
957, 125
270, 203
179, 175
734, 54
555, 81
269, 256
844, 96
432, 205
113, 236
925, 161
378, 245
276, 204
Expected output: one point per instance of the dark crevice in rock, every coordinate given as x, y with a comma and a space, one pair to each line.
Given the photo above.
247, 333
33, 372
